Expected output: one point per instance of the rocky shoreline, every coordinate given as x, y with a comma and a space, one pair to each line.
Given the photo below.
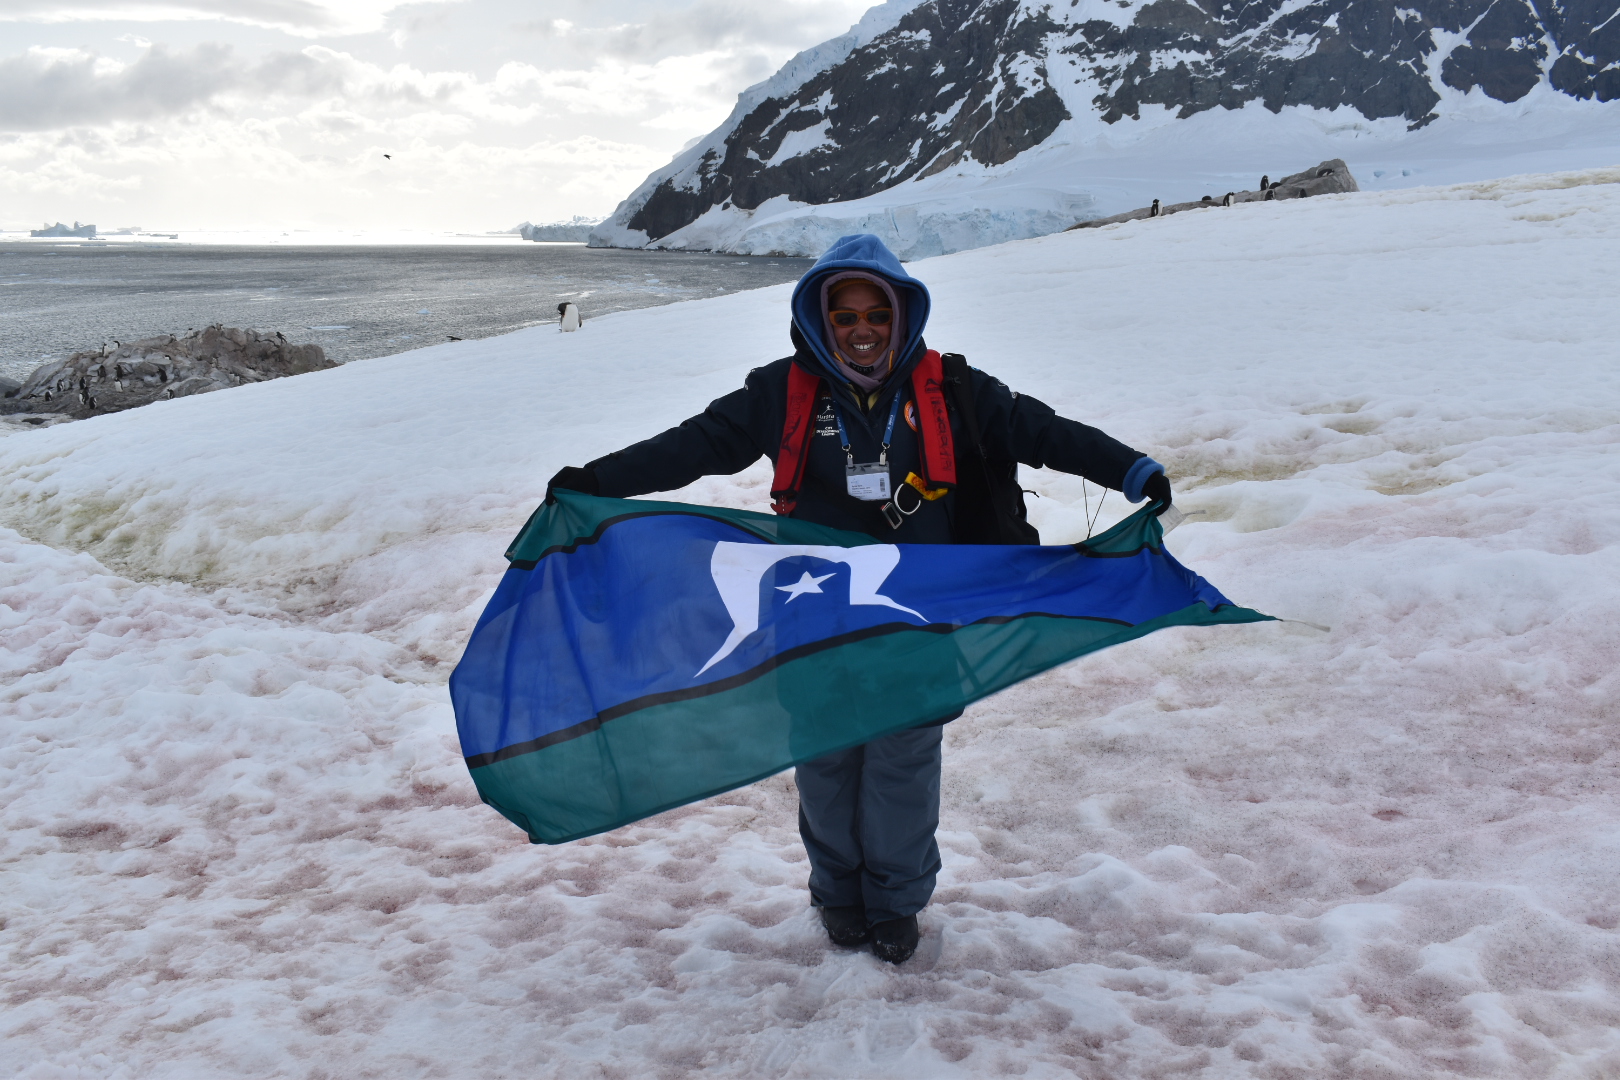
108, 380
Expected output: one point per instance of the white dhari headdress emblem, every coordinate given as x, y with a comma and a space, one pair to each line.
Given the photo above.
737, 570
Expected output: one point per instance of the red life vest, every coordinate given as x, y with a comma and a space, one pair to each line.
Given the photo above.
936, 448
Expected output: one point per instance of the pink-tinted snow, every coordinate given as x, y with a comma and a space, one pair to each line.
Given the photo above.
239, 840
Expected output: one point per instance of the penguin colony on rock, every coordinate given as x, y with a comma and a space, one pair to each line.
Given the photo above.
158, 368
1329, 178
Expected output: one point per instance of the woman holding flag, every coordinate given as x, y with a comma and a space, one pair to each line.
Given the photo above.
872, 432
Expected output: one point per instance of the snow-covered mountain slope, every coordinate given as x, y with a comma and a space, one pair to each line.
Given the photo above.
959, 123
236, 838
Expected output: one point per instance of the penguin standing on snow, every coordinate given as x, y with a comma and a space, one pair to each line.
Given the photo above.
1265, 182
569, 315
1229, 198
1153, 211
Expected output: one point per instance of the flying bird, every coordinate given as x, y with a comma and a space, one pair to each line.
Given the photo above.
390, 157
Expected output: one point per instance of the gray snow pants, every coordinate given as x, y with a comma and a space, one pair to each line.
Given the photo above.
867, 816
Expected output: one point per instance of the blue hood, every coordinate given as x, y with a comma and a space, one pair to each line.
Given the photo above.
862, 251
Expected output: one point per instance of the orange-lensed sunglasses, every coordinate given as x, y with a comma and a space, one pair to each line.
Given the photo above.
847, 317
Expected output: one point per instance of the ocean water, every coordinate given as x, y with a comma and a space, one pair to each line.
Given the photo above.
355, 302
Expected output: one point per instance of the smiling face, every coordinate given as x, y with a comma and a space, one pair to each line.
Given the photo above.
863, 343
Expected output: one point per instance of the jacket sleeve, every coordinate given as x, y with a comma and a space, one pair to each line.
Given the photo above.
726, 437
1020, 428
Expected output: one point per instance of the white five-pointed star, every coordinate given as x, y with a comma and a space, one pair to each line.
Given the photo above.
805, 584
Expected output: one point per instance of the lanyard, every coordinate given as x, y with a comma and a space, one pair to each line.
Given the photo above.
888, 432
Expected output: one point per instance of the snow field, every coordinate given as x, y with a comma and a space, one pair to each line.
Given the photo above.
238, 838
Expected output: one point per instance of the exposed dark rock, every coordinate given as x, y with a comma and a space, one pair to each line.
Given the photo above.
1504, 54
1587, 36
154, 369
1328, 178
1372, 55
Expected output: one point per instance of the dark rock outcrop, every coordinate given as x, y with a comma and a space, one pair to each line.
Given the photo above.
1377, 56
1329, 178
154, 369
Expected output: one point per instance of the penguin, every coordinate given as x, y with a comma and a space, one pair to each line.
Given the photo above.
1207, 198
1229, 198
1153, 211
569, 313
1270, 194
1265, 182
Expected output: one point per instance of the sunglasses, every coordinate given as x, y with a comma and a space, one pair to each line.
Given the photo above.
876, 317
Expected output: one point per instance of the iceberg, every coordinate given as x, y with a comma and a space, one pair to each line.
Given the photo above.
59, 229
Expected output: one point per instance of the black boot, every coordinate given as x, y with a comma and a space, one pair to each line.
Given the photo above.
846, 926
896, 939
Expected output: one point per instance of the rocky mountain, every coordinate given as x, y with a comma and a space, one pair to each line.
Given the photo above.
917, 89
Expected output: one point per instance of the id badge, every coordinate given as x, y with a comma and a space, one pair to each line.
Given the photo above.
869, 483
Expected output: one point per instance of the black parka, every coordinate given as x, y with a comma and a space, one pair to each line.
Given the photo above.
737, 429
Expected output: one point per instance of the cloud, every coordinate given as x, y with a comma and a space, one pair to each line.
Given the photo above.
708, 26
303, 17
183, 176
546, 28
48, 89
45, 89
486, 119
52, 88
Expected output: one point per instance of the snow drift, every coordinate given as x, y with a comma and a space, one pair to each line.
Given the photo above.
238, 838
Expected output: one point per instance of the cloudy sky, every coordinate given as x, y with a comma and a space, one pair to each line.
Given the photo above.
256, 114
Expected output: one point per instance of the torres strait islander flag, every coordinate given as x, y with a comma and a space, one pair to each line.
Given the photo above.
638, 656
